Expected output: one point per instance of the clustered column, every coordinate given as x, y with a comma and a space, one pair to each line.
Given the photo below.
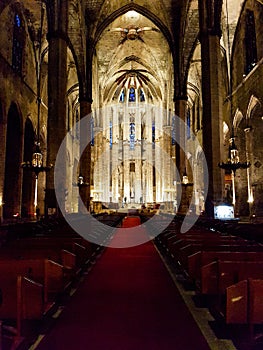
210, 33
57, 88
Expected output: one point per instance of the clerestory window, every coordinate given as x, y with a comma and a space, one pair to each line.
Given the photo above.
18, 44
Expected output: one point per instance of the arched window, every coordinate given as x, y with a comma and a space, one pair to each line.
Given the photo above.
132, 135
122, 96
92, 131
173, 130
110, 134
18, 44
188, 122
142, 97
132, 95
153, 135
250, 42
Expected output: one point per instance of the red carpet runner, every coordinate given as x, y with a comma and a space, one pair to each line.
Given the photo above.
127, 302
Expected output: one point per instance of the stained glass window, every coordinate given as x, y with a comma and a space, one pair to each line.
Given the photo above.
122, 96
132, 135
188, 121
110, 134
153, 135
142, 97
18, 44
92, 131
173, 130
132, 95
250, 42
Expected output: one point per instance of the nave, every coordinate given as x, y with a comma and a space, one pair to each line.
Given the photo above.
128, 301
142, 297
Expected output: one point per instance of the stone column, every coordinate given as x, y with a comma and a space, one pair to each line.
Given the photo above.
126, 170
57, 88
168, 185
115, 156
250, 170
85, 144
98, 146
180, 112
149, 161
138, 157
210, 33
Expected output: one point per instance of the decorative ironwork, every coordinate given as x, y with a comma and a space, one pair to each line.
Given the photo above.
233, 163
36, 164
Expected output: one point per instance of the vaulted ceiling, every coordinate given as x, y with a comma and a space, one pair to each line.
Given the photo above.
153, 35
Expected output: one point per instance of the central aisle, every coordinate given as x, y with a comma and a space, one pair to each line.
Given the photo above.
127, 302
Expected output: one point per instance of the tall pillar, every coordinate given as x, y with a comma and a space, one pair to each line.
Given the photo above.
85, 144
210, 33
98, 165
180, 112
138, 157
148, 155
250, 170
115, 156
57, 88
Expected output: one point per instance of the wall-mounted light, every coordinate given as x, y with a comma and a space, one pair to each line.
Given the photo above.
81, 182
185, 180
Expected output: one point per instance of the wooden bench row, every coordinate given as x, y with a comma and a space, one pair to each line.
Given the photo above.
218, 265
29, 289
42, 268
244, 302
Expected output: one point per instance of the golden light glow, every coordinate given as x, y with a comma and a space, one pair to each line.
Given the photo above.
132, 15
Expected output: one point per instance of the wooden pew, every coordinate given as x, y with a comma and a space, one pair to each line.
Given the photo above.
177, 246
60, 256
189, 249
244, 304
236, 303
27, 304
29, 299
46, 272
204, 257
218, 275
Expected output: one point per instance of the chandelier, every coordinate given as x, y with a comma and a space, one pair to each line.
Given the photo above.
36, 164
233, 163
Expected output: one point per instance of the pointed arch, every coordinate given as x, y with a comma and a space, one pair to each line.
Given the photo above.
253, 103
143, 11
18, 43
237, 119
12, 193
28, 184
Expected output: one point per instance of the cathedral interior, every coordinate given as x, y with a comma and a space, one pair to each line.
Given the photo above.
169, 89
131, 113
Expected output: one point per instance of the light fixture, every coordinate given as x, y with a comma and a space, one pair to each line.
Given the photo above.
233, 163
81, 182
185, 179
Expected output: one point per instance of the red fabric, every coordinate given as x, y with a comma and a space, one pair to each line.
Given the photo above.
131, 221
128, 301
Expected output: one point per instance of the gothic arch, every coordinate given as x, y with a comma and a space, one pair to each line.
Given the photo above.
12, 183
143, 11
28, 184
237, 119
252, 105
